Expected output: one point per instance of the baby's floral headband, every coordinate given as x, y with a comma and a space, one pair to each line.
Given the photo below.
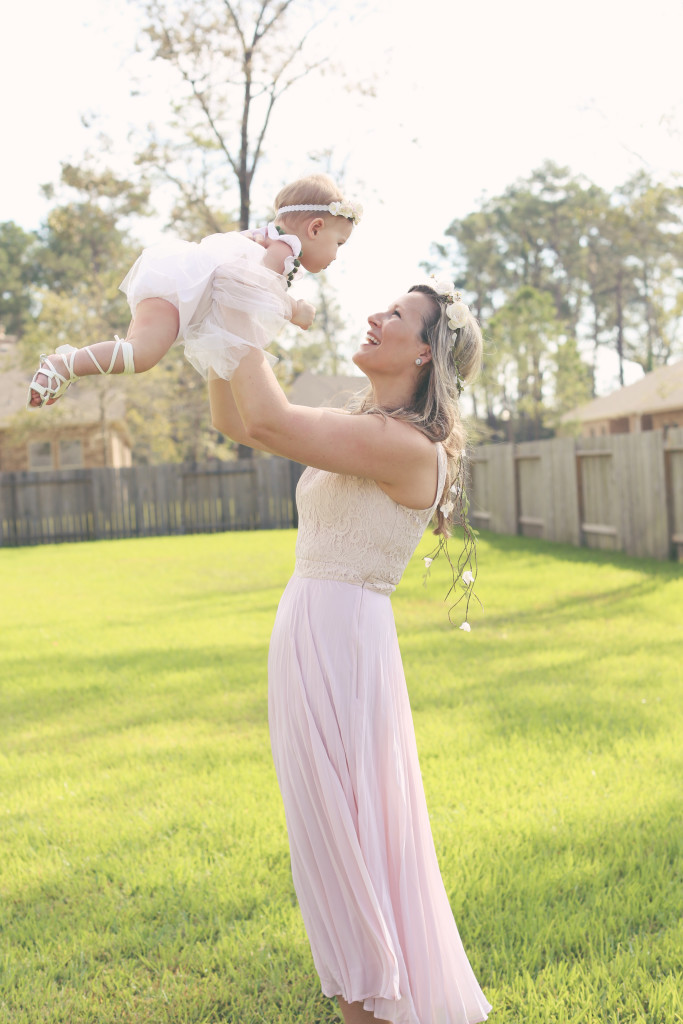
456, 311
345, 208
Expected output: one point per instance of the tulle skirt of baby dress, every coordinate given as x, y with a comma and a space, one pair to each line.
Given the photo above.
363, 860
227, 301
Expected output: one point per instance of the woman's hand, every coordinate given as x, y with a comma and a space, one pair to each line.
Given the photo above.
303, 314
254, 235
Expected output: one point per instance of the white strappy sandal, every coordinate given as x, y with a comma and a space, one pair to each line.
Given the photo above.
57, 382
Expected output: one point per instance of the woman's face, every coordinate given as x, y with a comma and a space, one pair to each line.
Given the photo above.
394, 339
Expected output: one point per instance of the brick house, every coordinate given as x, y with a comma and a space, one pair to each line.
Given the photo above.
85, 429
653, 403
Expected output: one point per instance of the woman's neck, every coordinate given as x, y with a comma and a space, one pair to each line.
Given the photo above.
392, 394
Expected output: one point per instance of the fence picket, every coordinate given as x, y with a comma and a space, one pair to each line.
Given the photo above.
621, 492
73, 505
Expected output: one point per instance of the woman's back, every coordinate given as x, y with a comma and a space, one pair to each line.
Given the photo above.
351, 531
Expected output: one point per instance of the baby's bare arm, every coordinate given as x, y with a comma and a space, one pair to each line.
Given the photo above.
276, 253
303, 313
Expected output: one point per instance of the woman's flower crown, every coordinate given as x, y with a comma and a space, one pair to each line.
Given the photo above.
456, 311
345, 208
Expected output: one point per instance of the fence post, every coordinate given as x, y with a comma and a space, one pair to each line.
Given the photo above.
618, 492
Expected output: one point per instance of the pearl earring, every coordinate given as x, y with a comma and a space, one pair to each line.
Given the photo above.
418, 362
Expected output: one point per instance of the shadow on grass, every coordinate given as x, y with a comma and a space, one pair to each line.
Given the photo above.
115, 692
570, 702
546, 898
576, 892
517, 547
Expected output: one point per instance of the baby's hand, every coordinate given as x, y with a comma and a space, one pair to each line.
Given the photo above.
256, 235
303, 314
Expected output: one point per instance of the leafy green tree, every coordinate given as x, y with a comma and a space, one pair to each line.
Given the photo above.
83, 252
572, 380
17, 270
609, 262
169, 417
530, 236
86, 250
655, 219
526, 331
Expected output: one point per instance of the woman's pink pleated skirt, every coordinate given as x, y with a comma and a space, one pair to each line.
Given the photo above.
363, 861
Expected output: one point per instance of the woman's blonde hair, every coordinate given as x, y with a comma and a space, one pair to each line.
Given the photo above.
435, 407
315, 189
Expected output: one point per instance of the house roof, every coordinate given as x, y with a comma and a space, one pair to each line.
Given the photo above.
316, 389
658, 391
82, 405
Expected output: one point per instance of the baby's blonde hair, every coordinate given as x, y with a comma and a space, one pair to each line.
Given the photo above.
315, 190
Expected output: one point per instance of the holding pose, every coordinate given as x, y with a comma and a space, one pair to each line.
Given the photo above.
220, 297
378, 918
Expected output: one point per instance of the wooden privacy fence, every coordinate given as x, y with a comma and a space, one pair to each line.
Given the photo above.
622, 492
144, 501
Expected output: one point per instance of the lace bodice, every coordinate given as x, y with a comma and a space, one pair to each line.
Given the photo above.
350, 530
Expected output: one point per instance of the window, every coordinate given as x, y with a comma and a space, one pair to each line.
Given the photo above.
40, 455
70, 454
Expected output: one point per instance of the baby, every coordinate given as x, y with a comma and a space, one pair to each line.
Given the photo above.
219, 297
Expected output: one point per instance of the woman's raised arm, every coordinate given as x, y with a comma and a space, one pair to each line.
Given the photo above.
254, 410
225, 414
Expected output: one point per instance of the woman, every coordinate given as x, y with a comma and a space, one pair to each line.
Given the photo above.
382, 934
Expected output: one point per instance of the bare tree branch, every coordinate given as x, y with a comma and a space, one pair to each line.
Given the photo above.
235, 59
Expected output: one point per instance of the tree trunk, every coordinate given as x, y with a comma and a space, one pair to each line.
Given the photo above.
649, 356
620, 330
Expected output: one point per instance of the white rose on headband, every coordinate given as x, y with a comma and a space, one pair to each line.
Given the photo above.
457, 314
442, 286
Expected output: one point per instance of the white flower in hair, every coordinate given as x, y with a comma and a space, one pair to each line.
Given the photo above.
447, 508
442, 285
468, 577
457, 313
346, 208
428, 561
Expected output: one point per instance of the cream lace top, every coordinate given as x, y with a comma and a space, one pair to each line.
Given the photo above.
350, 530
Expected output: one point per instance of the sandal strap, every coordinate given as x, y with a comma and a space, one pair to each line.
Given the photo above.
56, 383
126, 350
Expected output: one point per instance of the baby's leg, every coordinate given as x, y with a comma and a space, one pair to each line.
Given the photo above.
152, 331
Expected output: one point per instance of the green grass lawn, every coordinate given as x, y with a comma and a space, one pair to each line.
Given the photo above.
144, 870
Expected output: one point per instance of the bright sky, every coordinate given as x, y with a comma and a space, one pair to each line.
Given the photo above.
469, 97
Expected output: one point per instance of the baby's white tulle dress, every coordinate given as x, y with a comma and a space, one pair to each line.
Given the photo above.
364, 865
227, 301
